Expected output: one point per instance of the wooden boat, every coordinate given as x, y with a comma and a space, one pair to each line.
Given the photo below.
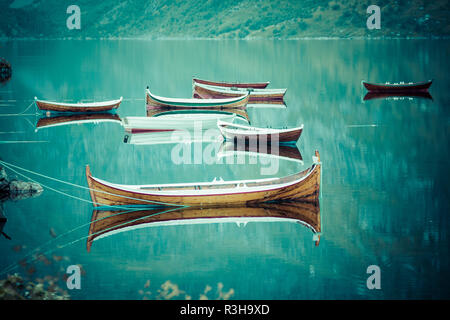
105, 223
204, 91
398, 87
154, 101
176, 120
304, 186
78, 107
81, 118
240, 113
283, 152
397, 95
254, 85
232, 131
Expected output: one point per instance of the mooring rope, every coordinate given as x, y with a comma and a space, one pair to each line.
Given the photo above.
9, 165
35, 250
19, 114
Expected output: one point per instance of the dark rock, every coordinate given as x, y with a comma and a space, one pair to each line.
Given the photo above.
17, 190
21, 190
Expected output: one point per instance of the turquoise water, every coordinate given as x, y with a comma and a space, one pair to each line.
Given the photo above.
384, 186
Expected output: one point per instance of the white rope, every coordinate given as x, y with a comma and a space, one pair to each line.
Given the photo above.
9, 165
19, 114
35, 250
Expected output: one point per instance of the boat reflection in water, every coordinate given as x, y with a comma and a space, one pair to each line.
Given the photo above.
241, 113
60, 120
271, 151
171, 137
106, 223
180, 126
179, 120
397, 96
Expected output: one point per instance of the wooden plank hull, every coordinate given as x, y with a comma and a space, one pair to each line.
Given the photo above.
258, 134
304, 186
396, 88
256, 95
105, 222
78, 107
154, 101
255, 85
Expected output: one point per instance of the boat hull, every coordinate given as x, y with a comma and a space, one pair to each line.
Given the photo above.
398, 88
162, 102
256, 95
77, 108
255, 85
303, 186
283, 136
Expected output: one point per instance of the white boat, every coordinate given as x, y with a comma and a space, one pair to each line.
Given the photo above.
177, 120
233, 131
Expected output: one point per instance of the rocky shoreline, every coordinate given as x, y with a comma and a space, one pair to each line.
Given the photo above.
12, 189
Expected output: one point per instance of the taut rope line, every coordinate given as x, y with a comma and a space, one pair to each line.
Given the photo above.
9, 165
35, 250
19, 114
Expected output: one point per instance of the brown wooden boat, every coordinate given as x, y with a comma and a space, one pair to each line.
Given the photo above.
232, 131
78, 107
255, 85
398, 87
203, 91
46, 122
304, 186
108, 222
397, 95
154, 101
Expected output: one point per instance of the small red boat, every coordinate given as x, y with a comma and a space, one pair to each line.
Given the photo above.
398, 87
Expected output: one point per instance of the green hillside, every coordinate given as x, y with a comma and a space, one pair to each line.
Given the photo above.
223, 18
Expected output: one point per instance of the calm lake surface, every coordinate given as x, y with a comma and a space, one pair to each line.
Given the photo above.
385, 182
